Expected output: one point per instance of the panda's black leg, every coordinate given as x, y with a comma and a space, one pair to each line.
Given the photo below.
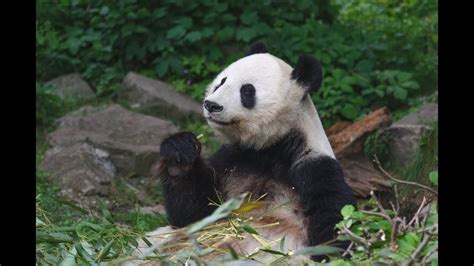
320, 183
188, 183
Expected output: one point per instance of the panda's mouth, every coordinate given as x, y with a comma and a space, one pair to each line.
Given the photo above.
222, 123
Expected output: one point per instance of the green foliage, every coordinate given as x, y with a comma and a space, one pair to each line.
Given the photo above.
373, 53
50, 107
378, 143
371, 234
70, 234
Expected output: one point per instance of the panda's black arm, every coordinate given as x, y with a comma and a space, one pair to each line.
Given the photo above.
188, 182
323, 191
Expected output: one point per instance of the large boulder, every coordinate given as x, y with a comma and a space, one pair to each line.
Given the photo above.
157, 97
79, 169
425, 115
71, 85
406, 133
132, 139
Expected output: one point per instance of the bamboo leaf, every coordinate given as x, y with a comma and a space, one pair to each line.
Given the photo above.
53, 237
318, 250
103, 253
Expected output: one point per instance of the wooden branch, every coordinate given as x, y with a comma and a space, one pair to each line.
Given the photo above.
385, 173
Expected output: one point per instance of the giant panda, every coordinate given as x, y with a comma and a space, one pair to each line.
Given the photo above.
275, 148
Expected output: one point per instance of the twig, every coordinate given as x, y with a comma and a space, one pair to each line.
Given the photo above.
380, 214
356, 237
429, 229
427, 257
376, 160
417, 251
382, 209
348, 250
397, 201
394, 234
418, 211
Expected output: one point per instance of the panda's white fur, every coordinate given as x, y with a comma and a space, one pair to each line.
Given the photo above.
278, 106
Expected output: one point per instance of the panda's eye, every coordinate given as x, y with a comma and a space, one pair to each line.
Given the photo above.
222, 83
248, 90
247, 95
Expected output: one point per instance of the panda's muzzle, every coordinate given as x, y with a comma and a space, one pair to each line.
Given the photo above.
213, 107
222, 123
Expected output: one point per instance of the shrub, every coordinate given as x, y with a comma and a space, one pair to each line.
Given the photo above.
373, 53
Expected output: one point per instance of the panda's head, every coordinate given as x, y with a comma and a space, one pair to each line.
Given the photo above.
259, 98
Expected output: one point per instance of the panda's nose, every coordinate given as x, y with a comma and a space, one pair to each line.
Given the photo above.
212, 107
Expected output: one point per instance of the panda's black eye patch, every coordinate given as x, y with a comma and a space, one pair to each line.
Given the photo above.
247, 95
222, 83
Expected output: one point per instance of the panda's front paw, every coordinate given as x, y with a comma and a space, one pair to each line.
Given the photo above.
180, 149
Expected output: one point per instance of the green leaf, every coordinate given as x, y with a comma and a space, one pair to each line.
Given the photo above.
39, 222
69, 257
434, 177
282, 244
339, 263
106, 213
103, 253
248, 18
410, 85
349, 111
232, 252
408, 243
318, 250
162, 67
159, 13
84, 254
271, 251
104, 10
193, 36
247, 228
223, 211
400, 93
347, 211
53, 237
176, 32
249, 206
95, 227
364, 66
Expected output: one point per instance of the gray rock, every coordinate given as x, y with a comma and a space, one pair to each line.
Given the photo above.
406, 133
79, 168
425, 115
71, 85
154, 96
131, 139
404, 141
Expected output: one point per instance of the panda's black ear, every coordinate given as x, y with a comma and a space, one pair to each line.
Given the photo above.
257, 48
308, 73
